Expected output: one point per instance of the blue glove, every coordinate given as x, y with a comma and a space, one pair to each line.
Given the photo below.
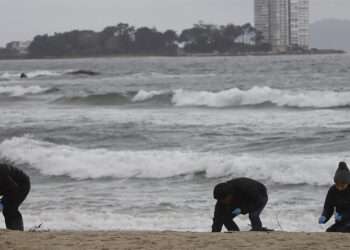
322, 220
338, 217
237, 211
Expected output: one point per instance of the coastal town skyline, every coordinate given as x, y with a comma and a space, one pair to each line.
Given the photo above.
36, 17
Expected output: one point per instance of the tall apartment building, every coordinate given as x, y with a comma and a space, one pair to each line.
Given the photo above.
279, 34
262, 18
283, 23
299, 23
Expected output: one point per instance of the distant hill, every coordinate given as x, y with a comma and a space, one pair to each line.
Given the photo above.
331, 34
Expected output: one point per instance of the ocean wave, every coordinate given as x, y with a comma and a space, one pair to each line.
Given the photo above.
62, 160
261, 96
231, 98
143, 95
31, 74
96, 99
159, 76
17, 91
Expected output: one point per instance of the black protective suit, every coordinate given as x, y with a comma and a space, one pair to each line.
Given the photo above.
338, 201
14, 187
248, 195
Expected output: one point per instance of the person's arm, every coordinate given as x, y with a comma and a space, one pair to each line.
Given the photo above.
329, 205
218, 219
231, 225
223, 217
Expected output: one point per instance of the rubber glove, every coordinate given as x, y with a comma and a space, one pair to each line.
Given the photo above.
338, 217
322, 220
237, 211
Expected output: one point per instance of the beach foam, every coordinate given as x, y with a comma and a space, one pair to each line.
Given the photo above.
61, 160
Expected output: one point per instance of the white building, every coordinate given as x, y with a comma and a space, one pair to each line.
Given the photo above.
262, 21
279, 24
299, 23
283, 23
20, 47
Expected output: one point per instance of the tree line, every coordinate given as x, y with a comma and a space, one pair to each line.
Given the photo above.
124, 39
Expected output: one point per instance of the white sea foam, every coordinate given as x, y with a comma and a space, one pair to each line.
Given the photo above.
292, 219
38, 73
143, 95
261, 95
16, 91
31, 74
56, 160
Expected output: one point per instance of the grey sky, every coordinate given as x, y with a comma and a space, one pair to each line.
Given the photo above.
22, 19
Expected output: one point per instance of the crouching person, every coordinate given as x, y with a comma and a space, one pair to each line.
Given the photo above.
239, 196
14, 188
338, 201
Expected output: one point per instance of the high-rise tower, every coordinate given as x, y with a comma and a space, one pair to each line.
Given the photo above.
279, 24
299, 23
283, 23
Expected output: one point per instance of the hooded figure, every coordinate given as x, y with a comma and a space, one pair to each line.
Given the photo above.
342, 175
239, 196
338, 201
14, 188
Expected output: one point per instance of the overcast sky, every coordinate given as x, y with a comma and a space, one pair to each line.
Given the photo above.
22, 19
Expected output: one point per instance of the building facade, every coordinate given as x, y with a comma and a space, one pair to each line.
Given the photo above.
279, 24
299, 23
262, 21
20, 47
283, 23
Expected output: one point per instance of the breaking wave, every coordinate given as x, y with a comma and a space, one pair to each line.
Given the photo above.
31, 74
231, 98
62, 160
17, 91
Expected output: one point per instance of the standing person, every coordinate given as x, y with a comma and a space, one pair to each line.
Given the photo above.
338, 201
14, 187
239, 196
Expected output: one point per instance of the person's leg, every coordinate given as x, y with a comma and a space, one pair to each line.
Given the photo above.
346, 228
223, 216
336, 228
13, 219
11, 202
255, 216
339, 228
231, 225
333, 228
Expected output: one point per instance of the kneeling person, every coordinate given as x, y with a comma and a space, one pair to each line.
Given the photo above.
338, 200
239, 196
14, 187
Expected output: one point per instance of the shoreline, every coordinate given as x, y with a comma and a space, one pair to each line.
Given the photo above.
107, 240
260, 54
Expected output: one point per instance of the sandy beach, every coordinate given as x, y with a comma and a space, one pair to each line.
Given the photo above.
170, 240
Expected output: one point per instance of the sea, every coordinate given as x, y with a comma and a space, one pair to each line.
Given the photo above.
142, 145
